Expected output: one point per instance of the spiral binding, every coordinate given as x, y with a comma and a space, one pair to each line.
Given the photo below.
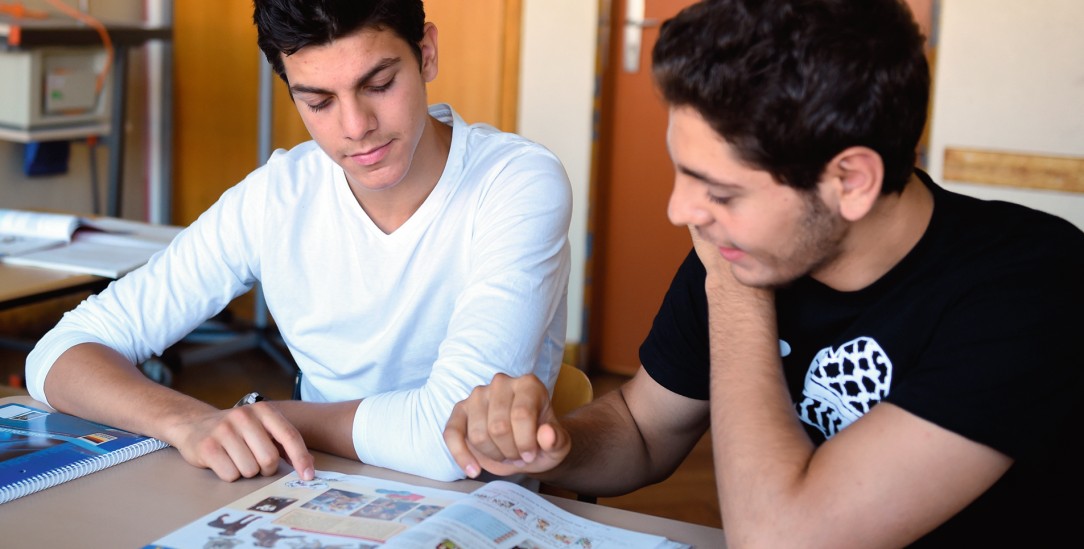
78, 469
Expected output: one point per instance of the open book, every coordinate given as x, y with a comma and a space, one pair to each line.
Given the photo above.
338, 510
102, 246
40, 449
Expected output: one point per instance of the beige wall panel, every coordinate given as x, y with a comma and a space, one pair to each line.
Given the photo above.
215, 105
478, 58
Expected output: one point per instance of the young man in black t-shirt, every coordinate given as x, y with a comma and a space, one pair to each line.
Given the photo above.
881, 362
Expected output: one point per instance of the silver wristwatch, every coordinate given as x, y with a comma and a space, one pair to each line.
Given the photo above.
250, 398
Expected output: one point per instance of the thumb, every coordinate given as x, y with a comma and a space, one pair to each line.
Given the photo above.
552, 438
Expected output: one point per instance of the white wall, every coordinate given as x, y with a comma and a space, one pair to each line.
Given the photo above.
1010, 77
556, 109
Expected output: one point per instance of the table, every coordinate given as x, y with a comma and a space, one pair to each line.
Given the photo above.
134, 503
21, 285
24, 285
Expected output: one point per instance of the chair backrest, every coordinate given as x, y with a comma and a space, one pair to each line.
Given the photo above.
573, 389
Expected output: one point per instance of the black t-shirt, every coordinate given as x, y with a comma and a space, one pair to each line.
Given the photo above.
977, 330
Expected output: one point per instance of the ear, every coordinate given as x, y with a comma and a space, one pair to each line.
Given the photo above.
428, 46
856, 175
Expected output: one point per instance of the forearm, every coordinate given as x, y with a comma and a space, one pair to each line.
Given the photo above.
610, 455
761, 452
97, 383
325, 426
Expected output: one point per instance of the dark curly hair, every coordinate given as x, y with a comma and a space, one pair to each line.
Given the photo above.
791, 83
285, 26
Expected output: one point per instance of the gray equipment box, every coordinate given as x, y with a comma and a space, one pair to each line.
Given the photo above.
54, 88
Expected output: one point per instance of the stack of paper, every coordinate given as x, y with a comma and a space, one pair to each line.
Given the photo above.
102, 246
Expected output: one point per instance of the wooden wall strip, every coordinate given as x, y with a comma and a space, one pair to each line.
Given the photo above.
513, 21
1055, 173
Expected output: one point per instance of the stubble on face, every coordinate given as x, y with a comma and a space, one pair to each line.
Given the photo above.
816, 242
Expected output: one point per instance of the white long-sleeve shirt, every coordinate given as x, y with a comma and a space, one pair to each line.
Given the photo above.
474, 283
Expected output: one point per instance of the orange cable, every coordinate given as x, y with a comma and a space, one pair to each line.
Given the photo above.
102, 32
20, 11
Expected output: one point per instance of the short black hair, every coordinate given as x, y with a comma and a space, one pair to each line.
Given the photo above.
791, 83
285, 26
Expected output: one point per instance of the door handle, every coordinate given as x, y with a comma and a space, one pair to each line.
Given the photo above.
633, 34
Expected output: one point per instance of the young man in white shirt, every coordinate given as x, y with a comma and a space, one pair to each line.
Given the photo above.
405, 255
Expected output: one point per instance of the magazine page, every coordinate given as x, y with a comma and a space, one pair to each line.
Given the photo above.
505, 515
126, 233
92, 258
332, 510
23, 231
103, 246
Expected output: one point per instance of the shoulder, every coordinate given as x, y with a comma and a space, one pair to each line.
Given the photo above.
282, 187
676, 350
974, 231
303, 157
998, 217
292, 172
481, 147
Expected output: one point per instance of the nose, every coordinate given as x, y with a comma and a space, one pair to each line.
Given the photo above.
686, 205
357, 119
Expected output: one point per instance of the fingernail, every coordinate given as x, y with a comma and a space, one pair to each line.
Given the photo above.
471, 471
308, 474
528, 457
519, 463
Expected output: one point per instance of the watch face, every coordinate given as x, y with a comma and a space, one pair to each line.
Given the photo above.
250, 398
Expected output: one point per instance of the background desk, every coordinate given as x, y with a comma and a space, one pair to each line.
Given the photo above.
135, 503
24, 285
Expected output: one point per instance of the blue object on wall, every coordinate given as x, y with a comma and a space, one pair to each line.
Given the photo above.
46, 157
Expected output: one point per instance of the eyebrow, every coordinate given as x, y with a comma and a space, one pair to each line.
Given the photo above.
706, 179
384, 64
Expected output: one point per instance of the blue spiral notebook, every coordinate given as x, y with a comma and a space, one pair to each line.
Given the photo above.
40, 449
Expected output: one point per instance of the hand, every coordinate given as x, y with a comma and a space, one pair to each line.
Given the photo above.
243, 442
718, 269
506, 427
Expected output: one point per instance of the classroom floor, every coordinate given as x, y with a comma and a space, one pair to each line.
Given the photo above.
688, 495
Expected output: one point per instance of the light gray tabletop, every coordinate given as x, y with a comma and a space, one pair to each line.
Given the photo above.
137, 502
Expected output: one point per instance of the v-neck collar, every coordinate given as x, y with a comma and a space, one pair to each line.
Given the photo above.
432, 205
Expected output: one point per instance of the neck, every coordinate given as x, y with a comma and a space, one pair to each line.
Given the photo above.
880, 240
390, 208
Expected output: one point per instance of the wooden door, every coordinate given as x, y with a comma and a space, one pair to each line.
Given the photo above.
636, 249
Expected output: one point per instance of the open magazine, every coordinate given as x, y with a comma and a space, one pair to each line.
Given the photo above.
24, 231
339, 510
103, 246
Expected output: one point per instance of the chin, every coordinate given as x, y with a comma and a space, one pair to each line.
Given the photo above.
375, 182
748, 278
762, 279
